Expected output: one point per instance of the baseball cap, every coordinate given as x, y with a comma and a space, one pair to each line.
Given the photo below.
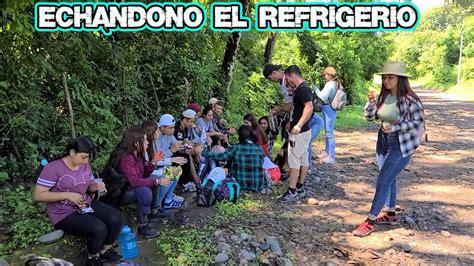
166, 120
213, 101
195, 107
188, 113
269, 68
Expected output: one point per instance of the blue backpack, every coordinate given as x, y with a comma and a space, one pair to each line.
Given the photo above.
227, 189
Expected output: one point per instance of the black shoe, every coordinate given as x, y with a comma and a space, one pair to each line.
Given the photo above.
111, 256
147, 231
160, 214
94, 261
289, 197
301, 193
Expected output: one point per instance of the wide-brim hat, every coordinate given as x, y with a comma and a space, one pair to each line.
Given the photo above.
394, 68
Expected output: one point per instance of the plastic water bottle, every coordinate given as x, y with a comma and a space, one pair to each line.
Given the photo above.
44, 162
128, 243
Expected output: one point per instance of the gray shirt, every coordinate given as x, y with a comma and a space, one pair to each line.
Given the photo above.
163, 143
284, 92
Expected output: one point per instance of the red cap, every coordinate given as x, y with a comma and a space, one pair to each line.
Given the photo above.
195, 107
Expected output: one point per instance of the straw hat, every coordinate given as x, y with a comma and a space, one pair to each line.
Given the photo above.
394, 68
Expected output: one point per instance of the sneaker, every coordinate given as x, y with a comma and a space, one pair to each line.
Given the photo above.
386, 219
364, 229
329, 160
301, 193
94, 261
172, 205
147, 231
178, 198
111, 256
160, 214
289, 197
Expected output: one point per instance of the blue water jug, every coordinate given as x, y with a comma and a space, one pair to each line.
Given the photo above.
128, 243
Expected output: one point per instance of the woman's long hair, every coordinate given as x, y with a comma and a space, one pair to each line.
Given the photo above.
150, 127
403, 91
246, 133
206, 110
257, 128
132, 141
81, 144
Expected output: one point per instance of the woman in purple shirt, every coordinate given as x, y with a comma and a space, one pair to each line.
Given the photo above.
63, 184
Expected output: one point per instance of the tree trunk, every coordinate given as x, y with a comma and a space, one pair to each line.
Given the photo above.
229, 57
269, 48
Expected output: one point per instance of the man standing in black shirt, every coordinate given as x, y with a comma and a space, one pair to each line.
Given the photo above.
300, 134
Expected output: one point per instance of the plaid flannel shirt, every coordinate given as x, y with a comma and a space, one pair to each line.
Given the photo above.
411, 120
246, 165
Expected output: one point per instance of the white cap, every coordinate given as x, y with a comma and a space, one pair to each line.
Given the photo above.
166, 120
188, 113
213, 101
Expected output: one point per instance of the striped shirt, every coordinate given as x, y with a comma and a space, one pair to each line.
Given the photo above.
411, 120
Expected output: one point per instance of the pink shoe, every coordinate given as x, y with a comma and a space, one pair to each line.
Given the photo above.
364, 229
386, 219
329, 160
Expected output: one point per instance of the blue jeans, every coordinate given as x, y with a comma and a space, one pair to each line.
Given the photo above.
393, 164
164, 192
316, 124
329, 118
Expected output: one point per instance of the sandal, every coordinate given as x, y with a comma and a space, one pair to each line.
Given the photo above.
386, 219
173, 205
364, 229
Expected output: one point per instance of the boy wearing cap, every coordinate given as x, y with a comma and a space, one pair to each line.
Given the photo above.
168, 144
275, 73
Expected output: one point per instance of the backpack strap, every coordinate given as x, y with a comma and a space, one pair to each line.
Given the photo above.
230, 185
216, 184
204, 182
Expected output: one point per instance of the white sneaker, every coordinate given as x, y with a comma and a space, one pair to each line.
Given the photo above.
190, 186
178, 198
329, 160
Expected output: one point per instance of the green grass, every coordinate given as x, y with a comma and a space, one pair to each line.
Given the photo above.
465, 90
352, 117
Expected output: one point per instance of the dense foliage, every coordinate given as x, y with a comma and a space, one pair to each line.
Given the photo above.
127, 78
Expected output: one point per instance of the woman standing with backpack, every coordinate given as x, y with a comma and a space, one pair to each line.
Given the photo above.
401, 113
64, 185
327, 94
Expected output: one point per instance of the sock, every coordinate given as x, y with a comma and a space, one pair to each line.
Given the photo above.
391, 213
299, 186
370, 221
292, 190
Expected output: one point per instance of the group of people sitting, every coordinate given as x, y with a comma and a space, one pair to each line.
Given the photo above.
160, 156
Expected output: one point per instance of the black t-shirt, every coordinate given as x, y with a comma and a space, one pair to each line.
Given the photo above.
179, 133
301, 96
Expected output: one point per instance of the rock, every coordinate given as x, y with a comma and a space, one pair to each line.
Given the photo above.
264, 261
221, 257
246, 255
445, 233
221, 239
254, 244
283, 262
313, 201
244, 236
223, 247
338, 253
274, 246
235, 238
309, 246
405, 247
264, 246
410, 221
243, 262
218, 233
407, 233
51, 237
3, 263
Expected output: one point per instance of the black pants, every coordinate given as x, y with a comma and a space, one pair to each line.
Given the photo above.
101, 227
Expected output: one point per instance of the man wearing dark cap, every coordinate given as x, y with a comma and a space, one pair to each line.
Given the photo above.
275, 73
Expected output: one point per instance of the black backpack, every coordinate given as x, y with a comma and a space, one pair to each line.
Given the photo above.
116, 185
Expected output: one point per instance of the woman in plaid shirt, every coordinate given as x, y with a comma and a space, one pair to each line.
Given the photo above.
247, 160
401, 113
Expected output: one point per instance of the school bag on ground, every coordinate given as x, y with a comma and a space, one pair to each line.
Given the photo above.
223, 187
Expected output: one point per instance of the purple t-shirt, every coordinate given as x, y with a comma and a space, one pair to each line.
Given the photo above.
59, 178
